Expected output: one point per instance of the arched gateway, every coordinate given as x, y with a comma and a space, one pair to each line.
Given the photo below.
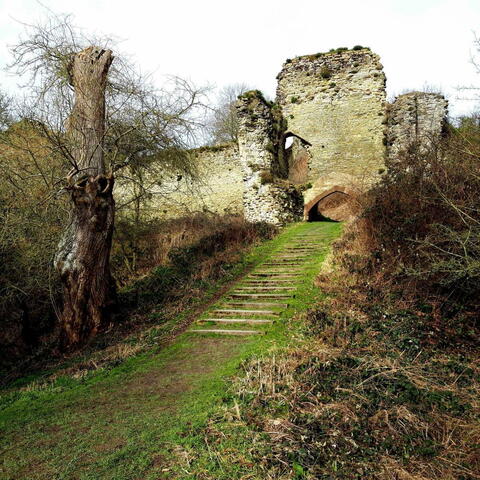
332, 204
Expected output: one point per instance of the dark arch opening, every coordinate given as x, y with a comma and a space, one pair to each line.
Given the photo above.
333, 206
315, 216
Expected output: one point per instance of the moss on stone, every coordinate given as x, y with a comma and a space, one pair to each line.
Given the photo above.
212, 148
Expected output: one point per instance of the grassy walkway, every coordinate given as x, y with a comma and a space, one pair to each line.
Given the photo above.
125, 422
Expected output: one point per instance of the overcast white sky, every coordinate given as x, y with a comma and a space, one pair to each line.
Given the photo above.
421, 42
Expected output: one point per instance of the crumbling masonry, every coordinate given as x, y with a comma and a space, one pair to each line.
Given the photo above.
415, 120
266, 196
329, 133
342, 134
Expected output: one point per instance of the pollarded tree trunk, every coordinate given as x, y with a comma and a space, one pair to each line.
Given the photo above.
83, 256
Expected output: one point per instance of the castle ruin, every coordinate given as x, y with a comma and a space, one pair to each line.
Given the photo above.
330, 132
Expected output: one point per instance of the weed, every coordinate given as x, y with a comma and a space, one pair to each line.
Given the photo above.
325, 72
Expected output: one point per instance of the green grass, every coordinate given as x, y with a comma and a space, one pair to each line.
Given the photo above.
131, 420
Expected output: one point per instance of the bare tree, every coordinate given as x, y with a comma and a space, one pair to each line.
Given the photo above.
224, 121
6, 117
100, 117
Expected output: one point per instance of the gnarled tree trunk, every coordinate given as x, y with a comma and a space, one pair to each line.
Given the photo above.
83, 256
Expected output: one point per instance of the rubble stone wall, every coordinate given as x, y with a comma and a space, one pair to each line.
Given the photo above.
415, 118
336, 102
217, 186
265, 198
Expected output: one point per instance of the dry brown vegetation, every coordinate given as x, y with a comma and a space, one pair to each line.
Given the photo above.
386, 382
419, 235
164, 269
140, 248
31, 224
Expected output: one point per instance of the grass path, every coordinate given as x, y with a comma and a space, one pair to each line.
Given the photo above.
125, 423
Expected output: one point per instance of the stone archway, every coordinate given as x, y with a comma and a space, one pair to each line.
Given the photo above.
332, 204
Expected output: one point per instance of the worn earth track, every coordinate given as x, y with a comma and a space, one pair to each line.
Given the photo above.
131, 421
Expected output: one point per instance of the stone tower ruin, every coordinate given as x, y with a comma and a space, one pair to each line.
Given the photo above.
328, 134
336, 102
415, 120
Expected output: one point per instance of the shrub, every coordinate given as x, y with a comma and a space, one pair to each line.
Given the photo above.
155, 259
325, 72
420, 230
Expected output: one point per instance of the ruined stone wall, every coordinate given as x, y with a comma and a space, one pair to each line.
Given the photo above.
333, 107
265, 198
415, 119
217, 186
336, 102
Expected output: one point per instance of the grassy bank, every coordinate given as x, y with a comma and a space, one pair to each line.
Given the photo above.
143, 417
369, 390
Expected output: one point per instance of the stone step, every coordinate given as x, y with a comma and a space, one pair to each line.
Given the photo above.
291, 254
284, 260
297, 242
254, 304
245, 312
276, 265
274, 275
281, 269
290, 274
264, 278
278, 296
280, 272
288, 259
221, 331
302, 250
261, 280
263, 287
310, 244
283, 264
281, 260
252, 321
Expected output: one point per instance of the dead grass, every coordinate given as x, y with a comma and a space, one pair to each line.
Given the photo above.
182, 260
366, 394
140, 248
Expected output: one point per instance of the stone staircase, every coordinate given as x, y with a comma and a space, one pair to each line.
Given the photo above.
257, 300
